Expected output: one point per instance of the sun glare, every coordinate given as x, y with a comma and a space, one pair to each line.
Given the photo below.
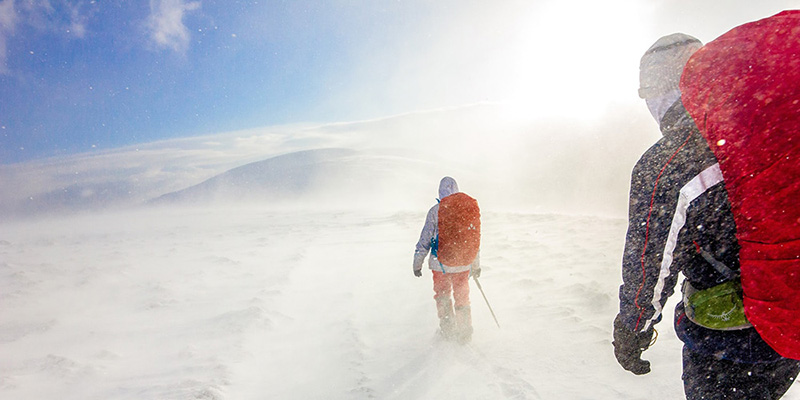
570, 60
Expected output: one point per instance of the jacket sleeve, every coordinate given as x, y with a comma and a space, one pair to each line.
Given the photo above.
429, 232
648, 276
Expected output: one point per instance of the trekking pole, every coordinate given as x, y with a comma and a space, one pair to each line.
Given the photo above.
477, 282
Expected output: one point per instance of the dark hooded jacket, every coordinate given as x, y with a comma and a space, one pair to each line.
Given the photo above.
678, 207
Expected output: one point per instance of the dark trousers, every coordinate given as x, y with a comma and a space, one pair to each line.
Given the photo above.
709, 378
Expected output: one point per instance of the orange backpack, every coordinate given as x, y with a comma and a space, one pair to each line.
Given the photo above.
459, 230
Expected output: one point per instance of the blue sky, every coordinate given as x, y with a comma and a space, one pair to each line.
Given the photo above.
103, 74
76, 76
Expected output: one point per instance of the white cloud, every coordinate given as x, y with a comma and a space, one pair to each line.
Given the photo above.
8, 17
165, 24
77, 24
44, 17
8, 22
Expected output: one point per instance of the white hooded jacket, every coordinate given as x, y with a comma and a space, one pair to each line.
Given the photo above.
430, 231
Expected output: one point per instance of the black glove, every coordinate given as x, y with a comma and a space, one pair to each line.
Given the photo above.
417, 273
629, 345
476, 272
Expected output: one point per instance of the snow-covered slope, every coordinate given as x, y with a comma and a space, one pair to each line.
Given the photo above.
253, 303
539, 165
338, 176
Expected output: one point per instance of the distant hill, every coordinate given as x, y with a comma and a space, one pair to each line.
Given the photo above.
321, 175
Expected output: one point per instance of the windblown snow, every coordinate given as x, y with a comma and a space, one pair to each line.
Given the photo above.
249, 303
216, 294
235, 303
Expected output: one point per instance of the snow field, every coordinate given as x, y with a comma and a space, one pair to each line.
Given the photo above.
252, 303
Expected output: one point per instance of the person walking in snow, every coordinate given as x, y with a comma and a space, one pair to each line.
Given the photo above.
680, 221
451, 235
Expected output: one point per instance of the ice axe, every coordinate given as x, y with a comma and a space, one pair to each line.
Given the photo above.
477, 282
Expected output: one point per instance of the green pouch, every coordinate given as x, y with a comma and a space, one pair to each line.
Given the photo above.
719, 307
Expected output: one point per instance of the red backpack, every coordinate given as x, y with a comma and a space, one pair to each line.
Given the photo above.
743, 92
459, 230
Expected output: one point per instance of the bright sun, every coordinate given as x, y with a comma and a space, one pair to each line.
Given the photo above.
570, 60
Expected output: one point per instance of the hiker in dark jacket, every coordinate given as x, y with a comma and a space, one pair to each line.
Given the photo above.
450, 282
680, 221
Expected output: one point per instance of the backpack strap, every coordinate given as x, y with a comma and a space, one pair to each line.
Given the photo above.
718, 265
435, 251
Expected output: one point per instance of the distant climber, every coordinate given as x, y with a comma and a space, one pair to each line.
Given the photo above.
452, 236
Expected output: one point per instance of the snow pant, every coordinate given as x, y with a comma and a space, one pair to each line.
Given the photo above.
455, 322
709, 378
